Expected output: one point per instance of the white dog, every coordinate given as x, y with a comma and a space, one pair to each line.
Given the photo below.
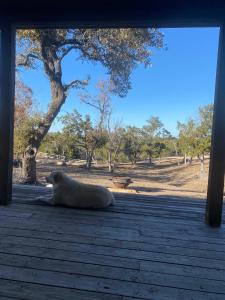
72, 193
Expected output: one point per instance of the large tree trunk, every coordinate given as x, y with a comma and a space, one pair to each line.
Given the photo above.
59, 91
29, 166
58, 94
29, 162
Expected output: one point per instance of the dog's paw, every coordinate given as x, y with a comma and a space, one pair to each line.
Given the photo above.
42, 201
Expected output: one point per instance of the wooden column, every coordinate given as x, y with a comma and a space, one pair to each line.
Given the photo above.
217, 159
7, 82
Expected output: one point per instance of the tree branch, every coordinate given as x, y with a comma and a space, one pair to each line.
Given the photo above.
78, 84
65, 51
26, 60
91, 104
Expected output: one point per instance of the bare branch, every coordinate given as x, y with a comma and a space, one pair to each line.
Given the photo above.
90, 103
65, 51
78, 84
67, 41
26, 60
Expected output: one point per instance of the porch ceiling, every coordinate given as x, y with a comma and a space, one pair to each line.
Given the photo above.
115, 13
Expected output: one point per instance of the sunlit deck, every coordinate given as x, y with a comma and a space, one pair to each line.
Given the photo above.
142, 248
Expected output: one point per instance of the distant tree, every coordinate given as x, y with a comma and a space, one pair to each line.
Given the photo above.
58, 143
52, 144
133, 142
101, 102
84, 134
116, 137
151, 132
204, 132
158, 148
195, 136
187, 139
118, 50
170, 142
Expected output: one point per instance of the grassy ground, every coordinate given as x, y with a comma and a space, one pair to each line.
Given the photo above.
162, 178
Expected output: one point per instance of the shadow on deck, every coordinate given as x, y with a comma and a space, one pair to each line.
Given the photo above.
142, 248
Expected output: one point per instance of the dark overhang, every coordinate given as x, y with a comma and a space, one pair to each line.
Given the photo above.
164, 13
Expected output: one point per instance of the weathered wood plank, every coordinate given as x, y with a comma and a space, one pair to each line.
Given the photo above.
123, 244
120, 213
31, 291
94, 284
86, 257
117, 251
103, 254
85, 232
129, 275
8, 298
136, 232
106, 216
135, 250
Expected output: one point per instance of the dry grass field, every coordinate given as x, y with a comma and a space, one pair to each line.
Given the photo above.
164, 177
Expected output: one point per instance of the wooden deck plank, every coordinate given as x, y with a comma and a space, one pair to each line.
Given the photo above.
141, 233
107, 212
8, 298
200, 249
102, 285
138, 276
117, 251
23, 290
121, 258
123, 244
142, 248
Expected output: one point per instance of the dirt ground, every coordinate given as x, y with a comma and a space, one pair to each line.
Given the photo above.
164, 177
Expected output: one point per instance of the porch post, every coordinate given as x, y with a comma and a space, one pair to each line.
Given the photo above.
7, 82
217, 158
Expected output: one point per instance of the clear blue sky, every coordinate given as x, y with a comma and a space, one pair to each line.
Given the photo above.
181, 79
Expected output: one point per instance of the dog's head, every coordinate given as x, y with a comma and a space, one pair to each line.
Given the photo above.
55, 177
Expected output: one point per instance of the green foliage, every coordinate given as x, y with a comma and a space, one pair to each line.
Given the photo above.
153, 127
25, 132
82, 134
119, 50
195, 136
204, 128
57, 143
27, 118
154, 135
133, 142
187, 137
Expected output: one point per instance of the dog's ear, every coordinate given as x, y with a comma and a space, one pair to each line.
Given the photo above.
57, 177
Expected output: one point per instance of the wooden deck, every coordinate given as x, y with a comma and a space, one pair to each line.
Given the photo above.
142, 248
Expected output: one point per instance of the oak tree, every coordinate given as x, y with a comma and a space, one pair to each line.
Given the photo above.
118, 50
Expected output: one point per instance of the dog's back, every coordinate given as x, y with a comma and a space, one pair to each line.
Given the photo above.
72, 193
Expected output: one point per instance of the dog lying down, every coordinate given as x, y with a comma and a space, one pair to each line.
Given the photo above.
72, 193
